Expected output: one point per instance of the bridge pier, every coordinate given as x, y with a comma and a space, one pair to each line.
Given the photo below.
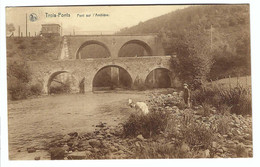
115, 75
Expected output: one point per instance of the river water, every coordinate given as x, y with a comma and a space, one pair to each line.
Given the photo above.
34, 122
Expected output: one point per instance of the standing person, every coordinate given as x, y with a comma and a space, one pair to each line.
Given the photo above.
186, 95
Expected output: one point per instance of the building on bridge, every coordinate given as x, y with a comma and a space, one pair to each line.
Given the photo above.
51, 30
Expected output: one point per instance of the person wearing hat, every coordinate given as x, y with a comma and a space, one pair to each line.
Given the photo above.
186, 95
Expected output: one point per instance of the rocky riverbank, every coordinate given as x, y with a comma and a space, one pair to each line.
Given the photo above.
190, 133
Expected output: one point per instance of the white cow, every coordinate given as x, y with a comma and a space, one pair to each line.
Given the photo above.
139, 106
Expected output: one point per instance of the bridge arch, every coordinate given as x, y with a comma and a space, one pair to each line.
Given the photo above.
70, 76
123, 76
92, 42
140, 43
158, 77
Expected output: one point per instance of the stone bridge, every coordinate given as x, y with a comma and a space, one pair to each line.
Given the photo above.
86, 69
113, 43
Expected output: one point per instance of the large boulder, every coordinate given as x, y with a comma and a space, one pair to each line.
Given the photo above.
94, 143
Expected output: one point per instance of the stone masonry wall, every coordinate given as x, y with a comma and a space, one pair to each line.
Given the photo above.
138, 68
114, 43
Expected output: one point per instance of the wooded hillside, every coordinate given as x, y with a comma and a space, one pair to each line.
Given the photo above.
225, 28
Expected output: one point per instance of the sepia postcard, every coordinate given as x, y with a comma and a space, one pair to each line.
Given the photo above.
129, 82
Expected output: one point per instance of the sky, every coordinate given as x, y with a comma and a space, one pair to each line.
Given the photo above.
114, 17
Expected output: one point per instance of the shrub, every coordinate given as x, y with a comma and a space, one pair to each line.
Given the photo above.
147, 125
16, 90
36, 89
222, 125
172, 128
181, 105
206, 109
203, 95
224, 109
197, 135
19, 71
187, 117
244, 105
18, 76
238, 98
163, 151
156, 150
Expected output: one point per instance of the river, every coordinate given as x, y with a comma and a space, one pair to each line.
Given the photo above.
34, 122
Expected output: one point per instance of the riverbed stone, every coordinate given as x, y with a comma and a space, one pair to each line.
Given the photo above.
73, 134
113, 149
214, 144
31, 150
66, 138
95, 143
66, 147
140, 137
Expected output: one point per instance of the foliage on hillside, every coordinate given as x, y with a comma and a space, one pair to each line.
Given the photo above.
229, 25
18, 77
33, 48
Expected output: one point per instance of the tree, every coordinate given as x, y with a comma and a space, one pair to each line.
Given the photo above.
18, 76
194, 58
10, 28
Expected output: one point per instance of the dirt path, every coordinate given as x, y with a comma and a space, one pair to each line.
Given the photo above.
34, 122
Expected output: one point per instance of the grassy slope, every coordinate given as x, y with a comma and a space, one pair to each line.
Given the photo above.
33, 48
233, 82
